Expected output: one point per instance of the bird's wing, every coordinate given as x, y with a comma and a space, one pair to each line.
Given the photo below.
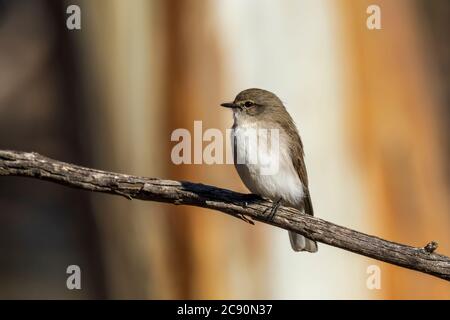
296, 150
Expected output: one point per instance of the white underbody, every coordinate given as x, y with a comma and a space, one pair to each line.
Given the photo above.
284, 183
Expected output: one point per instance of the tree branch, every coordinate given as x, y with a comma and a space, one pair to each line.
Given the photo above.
15, 163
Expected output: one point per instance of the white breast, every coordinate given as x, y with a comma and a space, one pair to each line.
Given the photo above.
283, 182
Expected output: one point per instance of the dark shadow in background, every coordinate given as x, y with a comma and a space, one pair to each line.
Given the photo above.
44, 227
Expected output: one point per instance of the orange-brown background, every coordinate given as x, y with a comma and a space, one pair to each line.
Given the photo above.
371, 106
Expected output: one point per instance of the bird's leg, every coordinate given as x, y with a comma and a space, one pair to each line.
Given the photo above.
274, 209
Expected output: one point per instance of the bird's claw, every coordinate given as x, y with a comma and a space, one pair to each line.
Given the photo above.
274, 209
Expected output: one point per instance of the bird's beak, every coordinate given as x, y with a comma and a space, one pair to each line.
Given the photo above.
231, 105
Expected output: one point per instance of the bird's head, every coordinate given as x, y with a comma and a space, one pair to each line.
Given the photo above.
254, 102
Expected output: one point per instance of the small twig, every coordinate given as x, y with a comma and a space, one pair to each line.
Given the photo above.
120, 193
431, 247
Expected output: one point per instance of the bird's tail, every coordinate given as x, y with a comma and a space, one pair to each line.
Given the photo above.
300, 243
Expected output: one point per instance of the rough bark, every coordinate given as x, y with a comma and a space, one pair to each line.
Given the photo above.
26, 164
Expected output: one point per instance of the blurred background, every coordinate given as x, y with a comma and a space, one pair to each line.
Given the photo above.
372, 107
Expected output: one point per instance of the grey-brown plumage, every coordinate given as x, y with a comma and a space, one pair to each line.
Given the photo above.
257, 108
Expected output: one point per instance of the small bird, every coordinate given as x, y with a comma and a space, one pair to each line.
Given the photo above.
256, 109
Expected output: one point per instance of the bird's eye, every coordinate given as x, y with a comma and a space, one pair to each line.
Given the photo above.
248, 104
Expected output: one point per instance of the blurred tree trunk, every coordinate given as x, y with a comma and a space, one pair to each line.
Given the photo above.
43, 228
203, 243
124, 48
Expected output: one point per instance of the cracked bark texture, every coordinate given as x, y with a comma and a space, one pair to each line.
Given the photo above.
26, 164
